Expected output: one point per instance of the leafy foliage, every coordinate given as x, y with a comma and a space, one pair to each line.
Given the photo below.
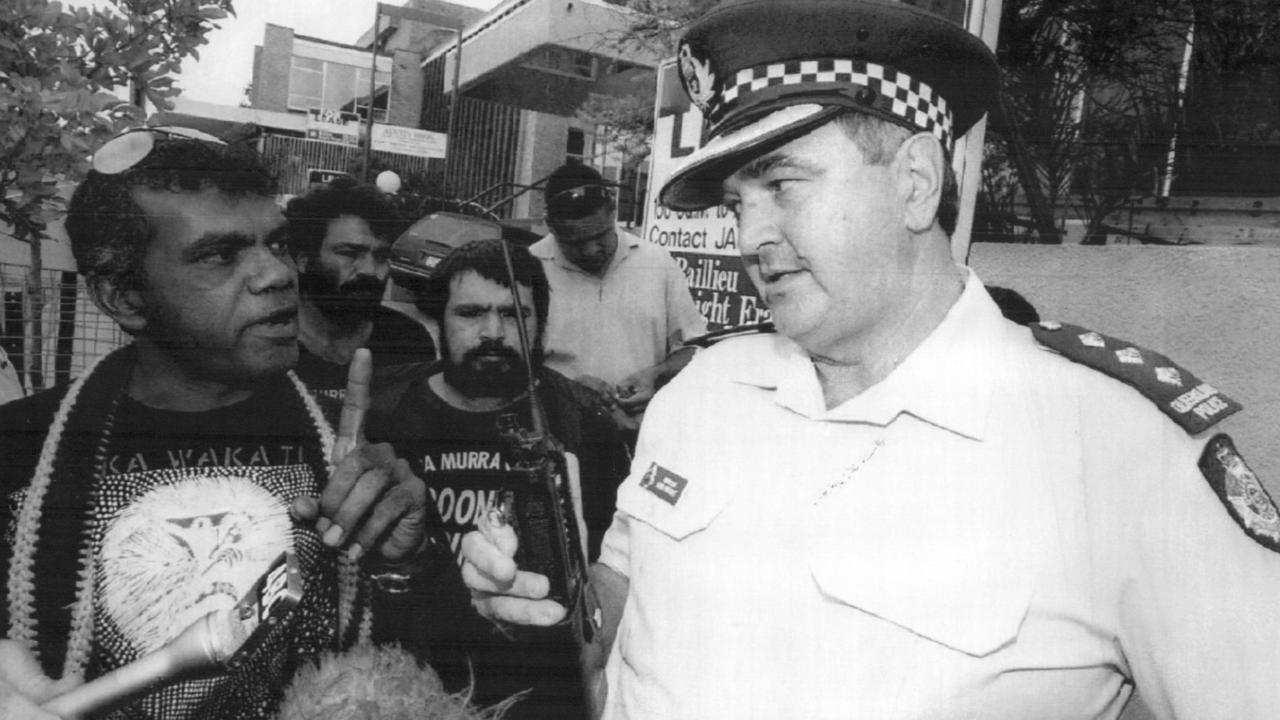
626, 123
59, 67
656, 27
1090, 99
1231, 137
658, 24
1092, 103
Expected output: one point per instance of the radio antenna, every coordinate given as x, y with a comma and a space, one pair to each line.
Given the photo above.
536, 410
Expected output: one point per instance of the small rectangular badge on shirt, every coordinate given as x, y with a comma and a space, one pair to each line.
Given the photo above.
663, 483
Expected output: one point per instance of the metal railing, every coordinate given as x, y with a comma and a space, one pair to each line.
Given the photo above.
486, 150
74, 332
291, 157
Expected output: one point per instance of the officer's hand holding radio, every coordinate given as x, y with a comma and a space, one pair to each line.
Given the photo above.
499, 590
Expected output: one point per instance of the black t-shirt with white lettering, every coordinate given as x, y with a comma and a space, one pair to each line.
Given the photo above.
187, 512
460, 454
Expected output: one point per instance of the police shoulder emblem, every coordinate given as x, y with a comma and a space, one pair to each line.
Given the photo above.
1194, 405
1241, 492
697, 76
667, 485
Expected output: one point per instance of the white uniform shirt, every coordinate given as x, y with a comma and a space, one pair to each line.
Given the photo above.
990, 532
630, 319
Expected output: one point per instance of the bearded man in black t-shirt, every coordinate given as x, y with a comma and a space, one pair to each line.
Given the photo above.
340, 235
163, 482
453, 421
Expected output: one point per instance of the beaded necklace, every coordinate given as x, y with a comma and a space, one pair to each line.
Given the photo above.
21, 580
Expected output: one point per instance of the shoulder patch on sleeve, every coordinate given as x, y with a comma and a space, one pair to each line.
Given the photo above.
1193, 405
1241, 492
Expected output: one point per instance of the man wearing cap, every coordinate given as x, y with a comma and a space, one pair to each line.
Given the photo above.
903, 505
620, 308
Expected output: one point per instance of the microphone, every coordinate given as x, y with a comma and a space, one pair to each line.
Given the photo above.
221, 640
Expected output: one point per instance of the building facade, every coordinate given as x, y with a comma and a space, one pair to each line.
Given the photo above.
526, 69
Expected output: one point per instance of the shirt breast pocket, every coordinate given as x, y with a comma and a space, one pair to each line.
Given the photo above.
944, 564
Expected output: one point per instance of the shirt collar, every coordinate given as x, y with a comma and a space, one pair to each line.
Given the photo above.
548, 249
946, 381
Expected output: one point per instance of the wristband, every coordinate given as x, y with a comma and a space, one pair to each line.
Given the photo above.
398, 579
392, 582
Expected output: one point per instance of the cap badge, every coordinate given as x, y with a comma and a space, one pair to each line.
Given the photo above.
698, 78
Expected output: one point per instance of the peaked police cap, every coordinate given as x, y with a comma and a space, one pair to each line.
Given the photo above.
765, 72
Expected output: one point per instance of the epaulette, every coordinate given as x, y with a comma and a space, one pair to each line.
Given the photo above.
1192, 404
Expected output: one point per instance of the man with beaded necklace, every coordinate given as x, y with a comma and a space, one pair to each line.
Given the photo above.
162, 483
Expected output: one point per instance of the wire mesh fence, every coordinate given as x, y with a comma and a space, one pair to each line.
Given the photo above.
73, 332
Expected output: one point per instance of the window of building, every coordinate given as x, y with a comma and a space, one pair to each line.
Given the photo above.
334, 86
575, 147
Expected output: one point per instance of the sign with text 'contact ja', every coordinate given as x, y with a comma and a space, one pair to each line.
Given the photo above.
705, 242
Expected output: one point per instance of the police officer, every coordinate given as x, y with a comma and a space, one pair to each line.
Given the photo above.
903, 505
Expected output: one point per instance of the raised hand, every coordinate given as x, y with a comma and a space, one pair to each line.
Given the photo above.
372, 499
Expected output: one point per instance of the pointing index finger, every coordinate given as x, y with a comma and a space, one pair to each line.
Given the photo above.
355, 404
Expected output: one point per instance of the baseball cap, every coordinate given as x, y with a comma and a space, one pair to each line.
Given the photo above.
575, 191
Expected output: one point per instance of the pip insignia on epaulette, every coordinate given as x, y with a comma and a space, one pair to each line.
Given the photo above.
1194, 405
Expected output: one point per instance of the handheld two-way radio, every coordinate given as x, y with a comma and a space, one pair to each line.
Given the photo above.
538, 502
535, 495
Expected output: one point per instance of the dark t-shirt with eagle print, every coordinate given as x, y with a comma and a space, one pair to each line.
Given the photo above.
190, 510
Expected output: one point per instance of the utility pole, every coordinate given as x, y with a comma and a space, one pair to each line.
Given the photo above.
981, 19
373, 89
439, 18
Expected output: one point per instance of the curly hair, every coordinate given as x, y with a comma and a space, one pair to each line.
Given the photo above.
309, 215
485, 257
110, 232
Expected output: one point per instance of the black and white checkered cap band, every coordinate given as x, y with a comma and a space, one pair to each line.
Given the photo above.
900, 94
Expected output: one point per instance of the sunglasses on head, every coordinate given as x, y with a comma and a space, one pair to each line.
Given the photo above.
579, 201
133, 146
